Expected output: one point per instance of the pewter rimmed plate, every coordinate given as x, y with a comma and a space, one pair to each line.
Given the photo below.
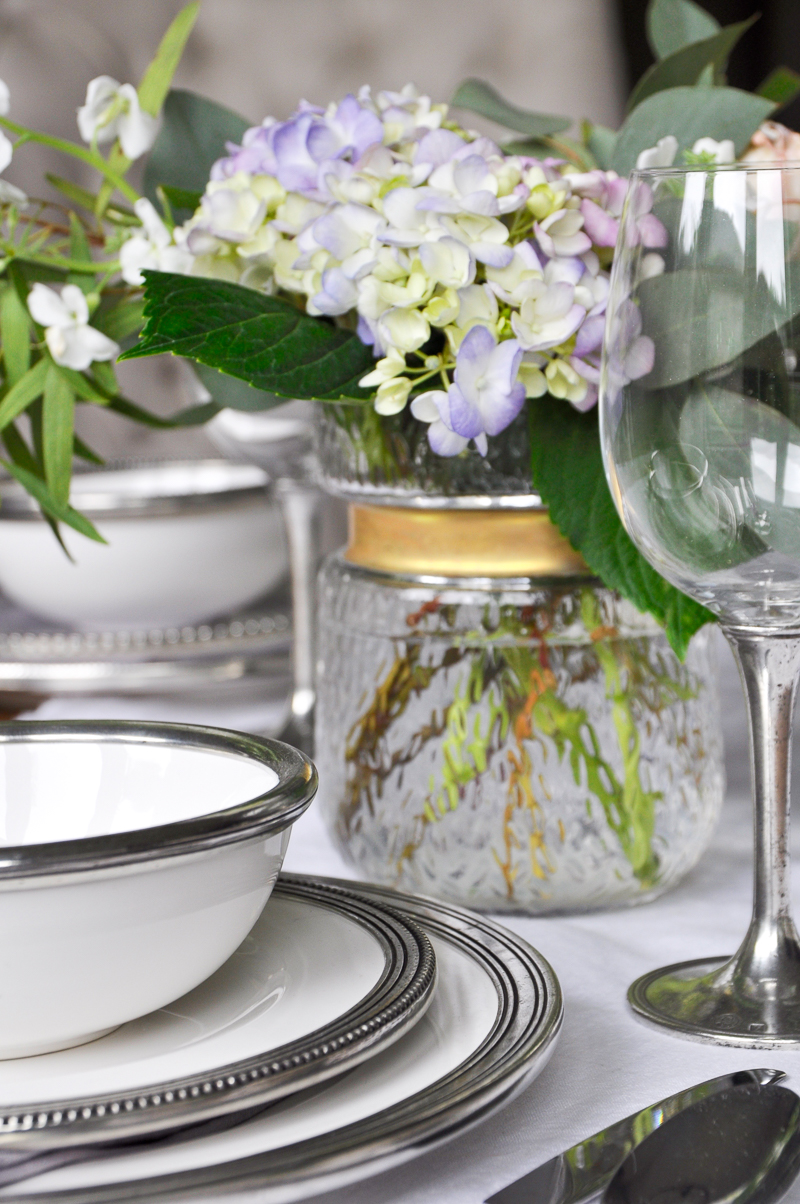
325, 979
38, 658
489, 1030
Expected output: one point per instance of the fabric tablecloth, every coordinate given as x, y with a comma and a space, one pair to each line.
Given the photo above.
606, 1063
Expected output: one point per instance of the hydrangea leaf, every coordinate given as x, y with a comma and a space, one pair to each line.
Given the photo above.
689, 114
568, 473
480, 97
673, 24
687, 65
192, 137
262, 340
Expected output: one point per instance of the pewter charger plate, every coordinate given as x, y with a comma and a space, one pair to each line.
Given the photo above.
489, 1030
347, 972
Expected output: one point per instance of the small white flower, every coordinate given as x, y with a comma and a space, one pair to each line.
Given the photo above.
386, 369
721, 152
151, 247
661, 155
70, 339
404, 329
392, 396
448, 262
111, 110
5, 98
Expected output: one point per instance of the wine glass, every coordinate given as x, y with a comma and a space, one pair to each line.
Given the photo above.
700, 426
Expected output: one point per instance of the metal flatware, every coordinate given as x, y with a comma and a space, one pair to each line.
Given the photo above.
584, 1170
739, 1145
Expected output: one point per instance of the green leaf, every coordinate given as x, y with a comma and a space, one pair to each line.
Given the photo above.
15, 330
480, 97
673, 24
233, 394
193, 135
81, 449
780, 86
18, 449
181, 198
60, 511
81, 386
122, 320
191, 416
687, 65
196, 415
158, 76
88, 200
263, 340
106, 378
27, 389
689, 114
573, 484
601, 142
58, 427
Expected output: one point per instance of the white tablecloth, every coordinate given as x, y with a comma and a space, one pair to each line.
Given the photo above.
606, 1063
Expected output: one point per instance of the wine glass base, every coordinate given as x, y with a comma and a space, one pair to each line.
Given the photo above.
696, 999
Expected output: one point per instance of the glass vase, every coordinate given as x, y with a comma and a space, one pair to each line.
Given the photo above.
518, 743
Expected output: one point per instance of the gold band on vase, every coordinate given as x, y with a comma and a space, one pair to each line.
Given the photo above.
460, 543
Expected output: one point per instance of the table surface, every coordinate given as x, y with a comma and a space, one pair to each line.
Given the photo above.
606, 1063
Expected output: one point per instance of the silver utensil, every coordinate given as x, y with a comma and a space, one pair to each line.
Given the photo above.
584, 1170
741, 1144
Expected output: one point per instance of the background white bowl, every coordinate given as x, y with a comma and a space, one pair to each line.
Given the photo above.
187, 541
135, 858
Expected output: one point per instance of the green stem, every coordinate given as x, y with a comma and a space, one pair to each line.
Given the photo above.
78, 152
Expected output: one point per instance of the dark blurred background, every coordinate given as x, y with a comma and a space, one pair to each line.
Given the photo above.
773, 41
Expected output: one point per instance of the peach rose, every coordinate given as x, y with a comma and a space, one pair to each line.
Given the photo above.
774, 143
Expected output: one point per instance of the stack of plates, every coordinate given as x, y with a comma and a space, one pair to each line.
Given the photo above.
438, 1017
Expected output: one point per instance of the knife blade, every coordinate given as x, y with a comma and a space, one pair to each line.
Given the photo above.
583, 1171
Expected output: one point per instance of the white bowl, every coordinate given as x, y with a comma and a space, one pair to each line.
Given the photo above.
135, 858
187, 541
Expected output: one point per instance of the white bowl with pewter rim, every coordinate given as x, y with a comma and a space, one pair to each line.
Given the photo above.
134, 859
186, 541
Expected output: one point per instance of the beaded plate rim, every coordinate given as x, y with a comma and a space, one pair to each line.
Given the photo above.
390, 1008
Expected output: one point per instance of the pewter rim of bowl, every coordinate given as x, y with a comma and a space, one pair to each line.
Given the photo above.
266, 814
16, 505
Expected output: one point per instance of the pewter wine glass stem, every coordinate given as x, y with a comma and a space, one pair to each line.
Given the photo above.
767, 965
300, 504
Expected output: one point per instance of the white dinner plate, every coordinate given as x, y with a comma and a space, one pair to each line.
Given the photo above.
324, 980
489, 1031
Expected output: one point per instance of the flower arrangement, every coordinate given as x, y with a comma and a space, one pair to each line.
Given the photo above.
378, 253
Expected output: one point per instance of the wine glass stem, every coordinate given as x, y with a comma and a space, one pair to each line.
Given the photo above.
301, 507
768, 963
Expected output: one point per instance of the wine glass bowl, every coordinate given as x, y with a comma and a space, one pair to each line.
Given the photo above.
700, 426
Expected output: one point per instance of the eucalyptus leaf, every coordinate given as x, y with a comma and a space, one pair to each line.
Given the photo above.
58, 428
686, 66
673, 24
737, 310
573, 484
192, 137
262, 340
780, 86
601, 142
689, 114
480, 97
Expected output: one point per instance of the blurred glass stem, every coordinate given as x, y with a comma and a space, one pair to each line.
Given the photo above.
300, 504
